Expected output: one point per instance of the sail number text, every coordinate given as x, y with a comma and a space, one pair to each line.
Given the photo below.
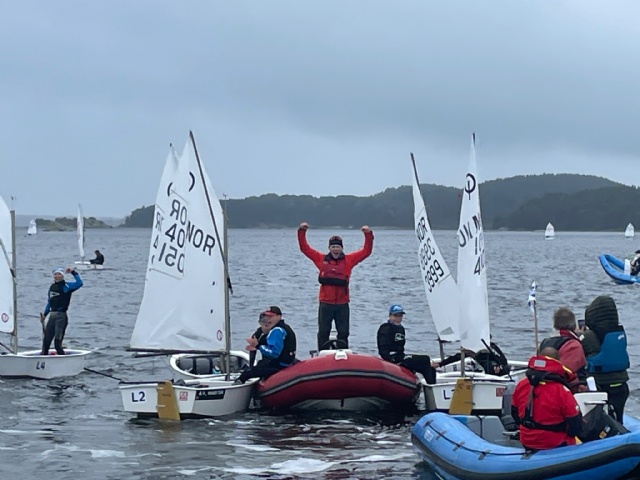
429, 264
170, 240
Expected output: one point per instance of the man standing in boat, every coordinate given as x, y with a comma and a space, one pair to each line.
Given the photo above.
58, 300
391, 340
334, 275
276, 341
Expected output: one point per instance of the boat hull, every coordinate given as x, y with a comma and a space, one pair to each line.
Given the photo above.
456, 452
195, 366
87, 266
206, 398
31, 364
614, 267
340, 380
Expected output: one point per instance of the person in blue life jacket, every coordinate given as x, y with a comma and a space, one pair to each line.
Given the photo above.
278, 346
99, 260
604, 342
58, 300
391, 341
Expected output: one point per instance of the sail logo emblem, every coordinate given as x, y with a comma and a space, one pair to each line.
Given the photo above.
184, 396
219, 335
5, 317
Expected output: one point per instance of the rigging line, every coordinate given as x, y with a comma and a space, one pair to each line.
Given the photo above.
102, 373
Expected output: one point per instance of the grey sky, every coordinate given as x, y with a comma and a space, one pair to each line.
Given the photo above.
309, 97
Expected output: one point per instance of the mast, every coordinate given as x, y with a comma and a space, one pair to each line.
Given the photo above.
14, 334
227, 317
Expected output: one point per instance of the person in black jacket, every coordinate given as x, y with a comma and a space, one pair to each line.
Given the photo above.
391, 340
99, 260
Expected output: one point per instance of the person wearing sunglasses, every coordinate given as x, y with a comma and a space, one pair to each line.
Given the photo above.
276, 342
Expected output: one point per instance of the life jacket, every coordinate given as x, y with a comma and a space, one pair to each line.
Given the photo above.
334, 271
544, 369
288, 354
59, 300
613, 356
554, 342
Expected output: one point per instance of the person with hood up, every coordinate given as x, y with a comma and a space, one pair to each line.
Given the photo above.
605, 346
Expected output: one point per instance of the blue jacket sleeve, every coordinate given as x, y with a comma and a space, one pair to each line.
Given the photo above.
275, 343
72, 286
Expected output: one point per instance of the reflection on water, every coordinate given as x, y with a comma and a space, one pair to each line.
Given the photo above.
76, 426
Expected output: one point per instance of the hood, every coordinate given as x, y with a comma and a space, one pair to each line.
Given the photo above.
601, 314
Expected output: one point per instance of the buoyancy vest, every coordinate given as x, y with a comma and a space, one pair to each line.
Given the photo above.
334, 271
288, 354
59, 300
554, 342
544, 369
613, 356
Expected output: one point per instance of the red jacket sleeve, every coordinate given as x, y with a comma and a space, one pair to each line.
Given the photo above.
356, 257
315, 256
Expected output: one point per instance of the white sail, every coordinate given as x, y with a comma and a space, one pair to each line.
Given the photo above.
629, 231
439, 285
33, 228
183, 306
80, 232
472, 273
7, 315
549, 232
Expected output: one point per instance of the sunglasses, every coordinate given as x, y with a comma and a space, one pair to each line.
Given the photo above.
264, 319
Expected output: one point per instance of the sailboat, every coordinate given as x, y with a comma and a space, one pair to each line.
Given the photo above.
549, 232
28, 363
629, 232
33, 228
185, 306
83, 264
473, 325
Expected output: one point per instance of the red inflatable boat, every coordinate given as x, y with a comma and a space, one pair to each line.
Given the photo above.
339, 380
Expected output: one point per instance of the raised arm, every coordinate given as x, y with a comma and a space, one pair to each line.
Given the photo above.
359, 255
314, 255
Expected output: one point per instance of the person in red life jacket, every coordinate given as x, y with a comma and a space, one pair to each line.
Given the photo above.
58, 300
334, 275
543, 406
391, 340
278, 346
568, 345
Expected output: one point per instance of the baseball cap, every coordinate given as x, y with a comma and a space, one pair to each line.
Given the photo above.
273, 310
395, 309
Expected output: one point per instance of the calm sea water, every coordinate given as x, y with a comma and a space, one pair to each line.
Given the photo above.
77, 427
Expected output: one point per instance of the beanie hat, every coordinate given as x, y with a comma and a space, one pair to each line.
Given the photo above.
59, 270
601, 313
335, 240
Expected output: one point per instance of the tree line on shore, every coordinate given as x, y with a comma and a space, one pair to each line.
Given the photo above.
571, 202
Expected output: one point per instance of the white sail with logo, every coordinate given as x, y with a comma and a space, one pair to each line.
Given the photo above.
439, 285
472, 273
629, 231
183, 306
33, 228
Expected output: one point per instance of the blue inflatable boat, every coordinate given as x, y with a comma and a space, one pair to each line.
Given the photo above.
454, 451
614, 267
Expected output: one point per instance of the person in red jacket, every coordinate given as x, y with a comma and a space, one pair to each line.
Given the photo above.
543, 406
334, 275
568, 344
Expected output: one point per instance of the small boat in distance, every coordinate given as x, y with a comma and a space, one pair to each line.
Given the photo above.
83, 264
629, 231
33, 228
550, 232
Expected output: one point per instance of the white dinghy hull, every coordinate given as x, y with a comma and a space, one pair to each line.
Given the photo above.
196, 398
87, 266
487, 392
31, 364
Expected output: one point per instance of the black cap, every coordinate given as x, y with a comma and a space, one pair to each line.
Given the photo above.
273, 310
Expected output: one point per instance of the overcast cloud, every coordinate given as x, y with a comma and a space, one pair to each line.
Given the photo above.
309, 97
